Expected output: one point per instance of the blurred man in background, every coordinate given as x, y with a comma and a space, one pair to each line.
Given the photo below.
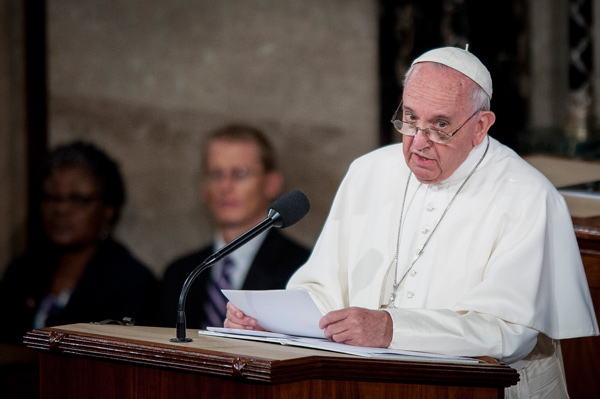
240, 182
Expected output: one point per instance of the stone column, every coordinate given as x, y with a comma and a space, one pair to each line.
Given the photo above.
596, 65
580, 73
548, 27
13, 142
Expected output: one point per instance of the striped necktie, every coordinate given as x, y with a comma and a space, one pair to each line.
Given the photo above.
215, 307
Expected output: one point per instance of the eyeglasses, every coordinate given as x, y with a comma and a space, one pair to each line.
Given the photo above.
75, 200
237, 175
437, 136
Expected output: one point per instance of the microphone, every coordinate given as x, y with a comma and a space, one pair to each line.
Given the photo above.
284, 212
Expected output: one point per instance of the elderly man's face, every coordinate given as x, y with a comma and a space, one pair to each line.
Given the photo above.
438, 97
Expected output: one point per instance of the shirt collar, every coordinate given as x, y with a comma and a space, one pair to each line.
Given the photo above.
245, 253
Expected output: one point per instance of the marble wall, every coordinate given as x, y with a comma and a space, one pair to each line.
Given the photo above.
147, 79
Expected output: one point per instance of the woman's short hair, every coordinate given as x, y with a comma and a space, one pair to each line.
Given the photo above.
102, 168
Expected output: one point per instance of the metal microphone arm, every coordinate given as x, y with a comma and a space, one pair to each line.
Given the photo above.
272, 220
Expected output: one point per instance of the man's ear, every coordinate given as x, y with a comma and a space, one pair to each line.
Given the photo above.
485, 120
273, 184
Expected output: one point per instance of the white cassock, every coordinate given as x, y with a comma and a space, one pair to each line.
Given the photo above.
501, 276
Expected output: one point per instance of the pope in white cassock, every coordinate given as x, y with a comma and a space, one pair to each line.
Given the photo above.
450, 242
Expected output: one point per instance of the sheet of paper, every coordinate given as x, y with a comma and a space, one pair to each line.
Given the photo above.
250, 333
290, 312
371, 352
327, 345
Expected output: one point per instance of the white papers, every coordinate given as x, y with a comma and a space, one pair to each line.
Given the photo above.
328, 345
291, 312
292, 318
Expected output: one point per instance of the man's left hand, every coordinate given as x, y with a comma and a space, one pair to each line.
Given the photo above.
359, 327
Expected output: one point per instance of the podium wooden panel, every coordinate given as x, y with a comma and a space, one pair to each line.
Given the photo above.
110, 361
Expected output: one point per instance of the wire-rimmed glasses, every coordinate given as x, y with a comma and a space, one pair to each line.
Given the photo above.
436, 136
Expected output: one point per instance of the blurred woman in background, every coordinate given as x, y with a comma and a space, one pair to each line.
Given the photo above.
77, 272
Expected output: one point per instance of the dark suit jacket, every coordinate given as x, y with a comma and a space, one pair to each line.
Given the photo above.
276, 260
113, 285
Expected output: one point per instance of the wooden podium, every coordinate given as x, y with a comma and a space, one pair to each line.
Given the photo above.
111, 361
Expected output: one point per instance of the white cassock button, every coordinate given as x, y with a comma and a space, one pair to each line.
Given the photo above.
429, 208
424, 230
434, 188
410, 294
413, 273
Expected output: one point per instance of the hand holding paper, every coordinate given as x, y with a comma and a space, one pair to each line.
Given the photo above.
282, 311
359, 326
235, 319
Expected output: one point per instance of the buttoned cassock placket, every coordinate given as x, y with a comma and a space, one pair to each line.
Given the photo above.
423, 212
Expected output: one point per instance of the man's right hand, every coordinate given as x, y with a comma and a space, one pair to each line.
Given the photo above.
237, 319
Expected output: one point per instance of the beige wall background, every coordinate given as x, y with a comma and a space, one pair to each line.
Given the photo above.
146, 80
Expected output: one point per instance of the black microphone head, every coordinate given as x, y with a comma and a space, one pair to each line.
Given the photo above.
291, 207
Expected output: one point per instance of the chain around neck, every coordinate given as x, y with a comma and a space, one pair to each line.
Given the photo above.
396, 281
